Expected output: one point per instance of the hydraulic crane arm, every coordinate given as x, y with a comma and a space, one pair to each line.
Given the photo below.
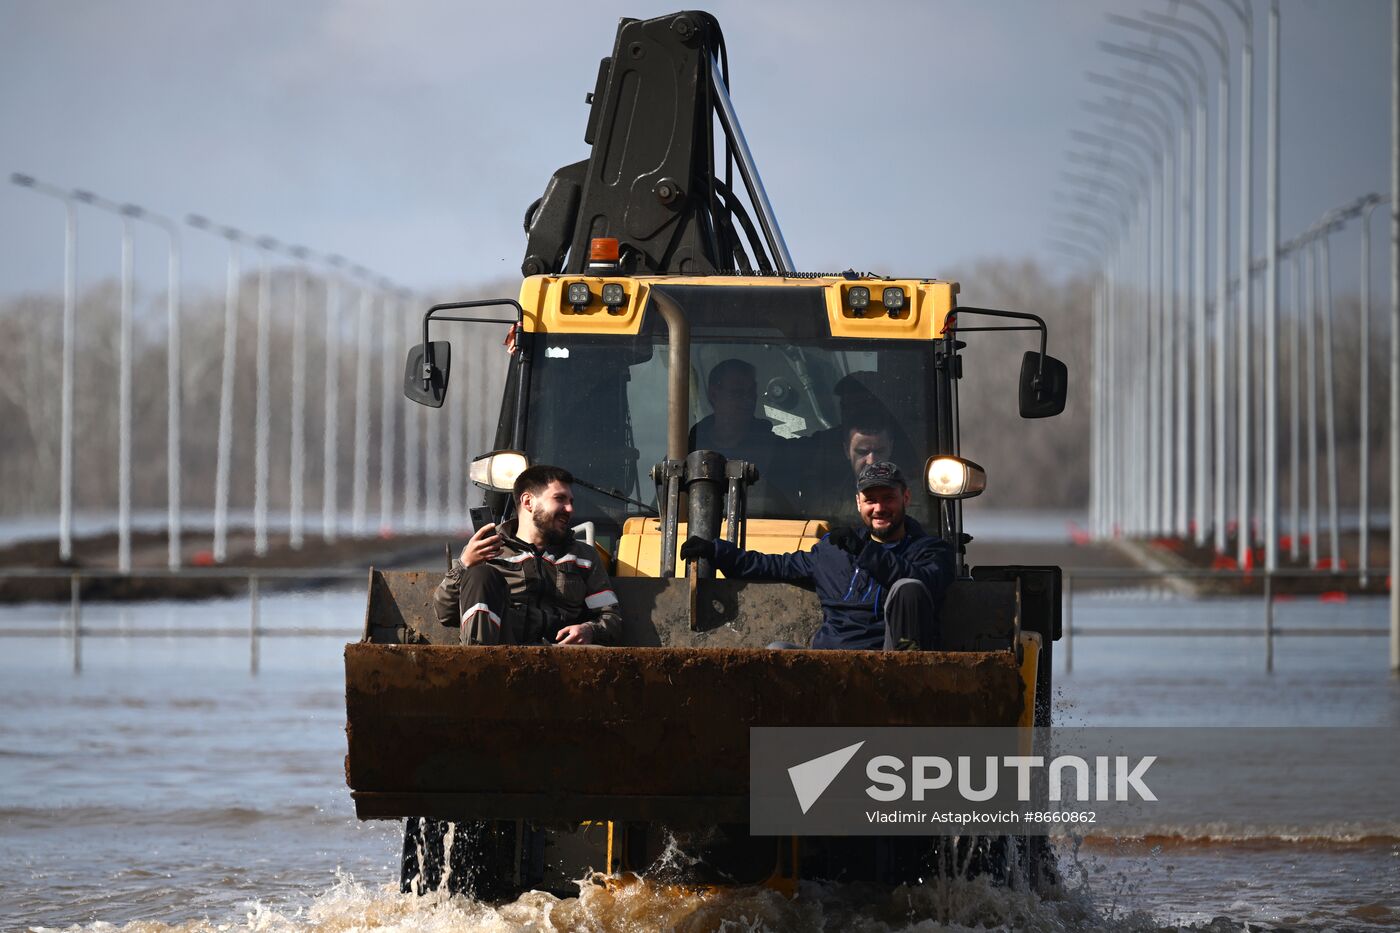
651, 180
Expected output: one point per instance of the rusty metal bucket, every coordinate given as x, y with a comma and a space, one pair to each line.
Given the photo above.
659, 733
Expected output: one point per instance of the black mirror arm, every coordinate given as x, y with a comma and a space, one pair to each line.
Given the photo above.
432, 315
1014, 315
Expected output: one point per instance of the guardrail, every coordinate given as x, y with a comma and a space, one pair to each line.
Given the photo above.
1268, 630
254, 630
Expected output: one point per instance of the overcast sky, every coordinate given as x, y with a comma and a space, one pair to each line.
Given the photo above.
909, 138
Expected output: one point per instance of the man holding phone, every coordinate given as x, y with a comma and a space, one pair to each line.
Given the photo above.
528, 581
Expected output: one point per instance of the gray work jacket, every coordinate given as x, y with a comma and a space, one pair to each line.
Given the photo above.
549, 589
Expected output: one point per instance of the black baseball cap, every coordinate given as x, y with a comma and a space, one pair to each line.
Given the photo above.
883, 473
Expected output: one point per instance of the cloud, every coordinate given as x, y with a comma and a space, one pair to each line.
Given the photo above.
892, 134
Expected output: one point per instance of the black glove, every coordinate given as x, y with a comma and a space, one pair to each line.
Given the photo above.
696, 547
847, 539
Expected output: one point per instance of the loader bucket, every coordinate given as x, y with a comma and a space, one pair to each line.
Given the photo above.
630, 733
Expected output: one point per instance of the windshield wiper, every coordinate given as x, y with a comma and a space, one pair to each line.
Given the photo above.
616, 494
804, 378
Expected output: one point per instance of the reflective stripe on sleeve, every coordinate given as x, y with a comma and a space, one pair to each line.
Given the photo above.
482, 607
601, 599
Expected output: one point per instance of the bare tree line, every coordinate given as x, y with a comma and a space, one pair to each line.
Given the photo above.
30, 341
1046, 464
1030, 464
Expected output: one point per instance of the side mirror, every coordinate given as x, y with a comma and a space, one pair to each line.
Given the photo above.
1043, 387
425, 374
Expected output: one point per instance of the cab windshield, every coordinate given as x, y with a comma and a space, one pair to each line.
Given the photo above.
768, 384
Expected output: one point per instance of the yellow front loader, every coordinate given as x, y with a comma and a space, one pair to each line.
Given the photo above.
518, 767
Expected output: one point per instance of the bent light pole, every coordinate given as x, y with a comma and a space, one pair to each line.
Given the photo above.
1178, 368
70, 299
1156, 146
412, 515
1097, 253
1167, 29
296, 467
1271, 223
1218, 39
124, 350
359, 479
330, 516
390, 352
172, 377
1133, 507
230, 362
1364, 506
1189, 77
262, 393
1245, 15
1107, 488
1395, 337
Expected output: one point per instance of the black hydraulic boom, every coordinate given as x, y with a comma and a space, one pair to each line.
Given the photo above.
651, 180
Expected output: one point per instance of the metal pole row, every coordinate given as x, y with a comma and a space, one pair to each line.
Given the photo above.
1188, 422
1395, 336
387, 323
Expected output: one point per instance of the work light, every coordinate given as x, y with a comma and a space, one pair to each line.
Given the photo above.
497, 470
893, 298
614, 297
858, 297
579, 296
954, 478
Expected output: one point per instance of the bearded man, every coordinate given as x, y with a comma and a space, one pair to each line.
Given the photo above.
880, 584
528, 581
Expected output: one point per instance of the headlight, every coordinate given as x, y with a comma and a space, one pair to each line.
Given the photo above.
497, 470
893, 300
858, 297
613, 297
579, 296
954, 477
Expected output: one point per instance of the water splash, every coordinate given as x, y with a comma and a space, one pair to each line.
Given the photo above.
939, 905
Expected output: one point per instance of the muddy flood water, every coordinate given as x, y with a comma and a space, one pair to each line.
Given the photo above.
165, 787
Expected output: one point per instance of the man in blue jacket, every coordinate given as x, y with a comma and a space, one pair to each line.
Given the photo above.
880, 585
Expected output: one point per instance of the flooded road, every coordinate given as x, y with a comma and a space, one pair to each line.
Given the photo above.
164, 787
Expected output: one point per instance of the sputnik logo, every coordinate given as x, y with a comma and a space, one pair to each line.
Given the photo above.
810, 779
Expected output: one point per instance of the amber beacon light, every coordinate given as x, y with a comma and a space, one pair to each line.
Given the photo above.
603, 255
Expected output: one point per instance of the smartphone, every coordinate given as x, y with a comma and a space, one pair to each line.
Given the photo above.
480, 515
